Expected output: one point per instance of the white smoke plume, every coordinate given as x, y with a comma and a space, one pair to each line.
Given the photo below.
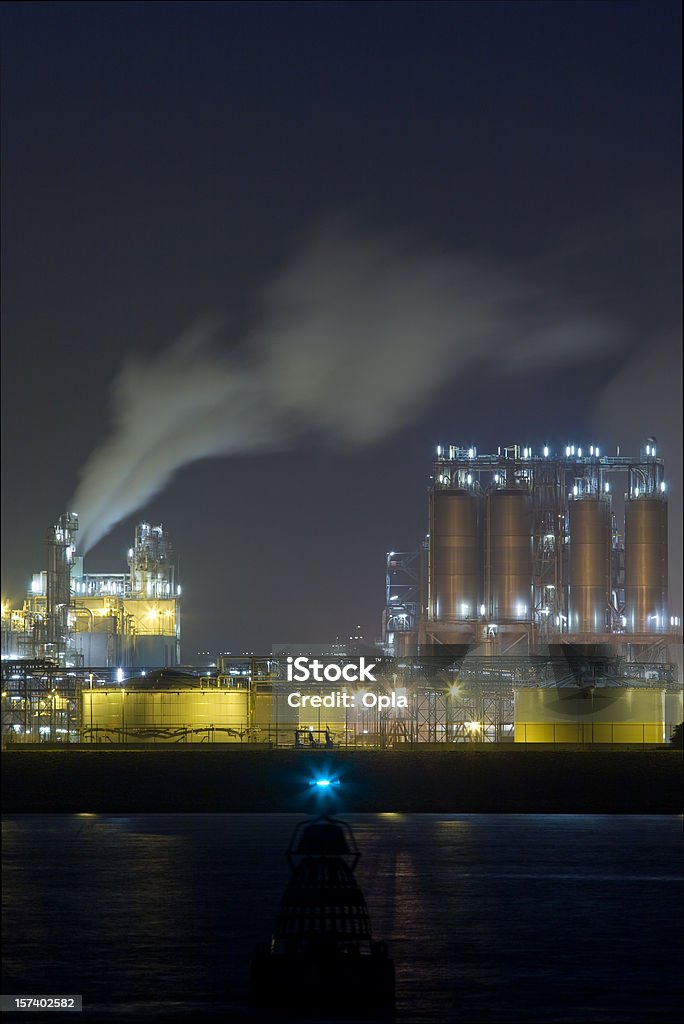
354, 337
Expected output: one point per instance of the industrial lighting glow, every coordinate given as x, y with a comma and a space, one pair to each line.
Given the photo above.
469, 478
579, 452
597, 453
567, 450
574, 490
662, 486
546, 452
471, 453
119, 675
482, 609
607, 487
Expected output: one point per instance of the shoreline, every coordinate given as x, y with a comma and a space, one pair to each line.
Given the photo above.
235, 779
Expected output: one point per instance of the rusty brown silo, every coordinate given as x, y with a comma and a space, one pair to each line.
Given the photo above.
589, 564
508, 556
454, 558
646, 565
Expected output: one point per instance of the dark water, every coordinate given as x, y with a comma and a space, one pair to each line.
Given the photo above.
535, 918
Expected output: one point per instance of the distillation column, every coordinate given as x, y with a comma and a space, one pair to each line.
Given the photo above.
646, 601
509, 556
589, 564
60, 552
454, 558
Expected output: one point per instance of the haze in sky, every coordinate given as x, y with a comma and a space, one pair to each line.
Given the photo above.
259, 258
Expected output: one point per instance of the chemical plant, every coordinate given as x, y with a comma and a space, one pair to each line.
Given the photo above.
535, 611
527, 548
76, 619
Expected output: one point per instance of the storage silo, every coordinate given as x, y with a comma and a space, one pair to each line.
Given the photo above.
454, 559
508, 556
646, 565
589, 564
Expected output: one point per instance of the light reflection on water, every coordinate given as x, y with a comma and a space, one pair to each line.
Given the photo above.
489, 917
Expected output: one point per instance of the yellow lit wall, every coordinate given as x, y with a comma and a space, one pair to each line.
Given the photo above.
608, 715
141, 617
151, 618
191, 715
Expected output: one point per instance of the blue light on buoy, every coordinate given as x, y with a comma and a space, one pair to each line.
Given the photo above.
325, 783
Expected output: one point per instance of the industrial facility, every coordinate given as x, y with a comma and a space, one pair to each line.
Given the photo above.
531, 547
541, 557
110, 620
536, 610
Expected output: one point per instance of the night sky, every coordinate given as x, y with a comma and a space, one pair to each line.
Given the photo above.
516, 165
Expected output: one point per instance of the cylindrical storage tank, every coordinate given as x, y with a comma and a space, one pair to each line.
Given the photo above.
508, 553
169, 715
602, 714
646, 565
674, 711
454, 560
589, 565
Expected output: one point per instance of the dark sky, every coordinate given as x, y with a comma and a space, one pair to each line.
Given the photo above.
162, 162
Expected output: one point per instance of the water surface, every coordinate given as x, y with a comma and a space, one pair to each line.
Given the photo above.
540, 918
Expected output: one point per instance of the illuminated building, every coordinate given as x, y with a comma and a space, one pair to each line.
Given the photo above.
527, 547
73, 618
